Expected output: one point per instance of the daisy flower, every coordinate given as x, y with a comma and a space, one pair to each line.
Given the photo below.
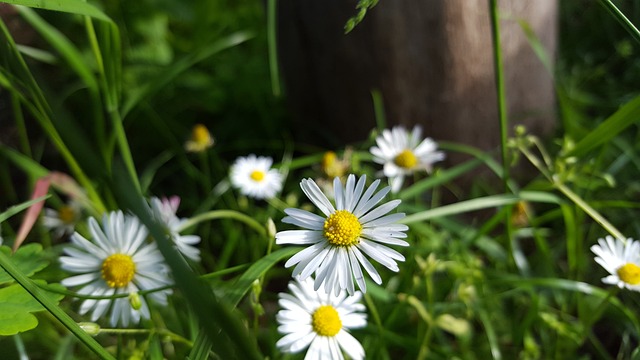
403, 153
164, 210
337, 241
63, 220
255, 178
319, 321
200, 139
117, 261
621, 259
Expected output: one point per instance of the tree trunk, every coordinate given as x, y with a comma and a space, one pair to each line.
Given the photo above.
431, 60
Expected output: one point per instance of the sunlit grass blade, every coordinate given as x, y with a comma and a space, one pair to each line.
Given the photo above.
28, 165
622, 19
50, 305
62, 44
18, 208
478, 204
626, 116
69, 6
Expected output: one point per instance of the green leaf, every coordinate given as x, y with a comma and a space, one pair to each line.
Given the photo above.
17, 307
27, 258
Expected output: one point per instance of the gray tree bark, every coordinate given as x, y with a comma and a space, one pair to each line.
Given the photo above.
431, 60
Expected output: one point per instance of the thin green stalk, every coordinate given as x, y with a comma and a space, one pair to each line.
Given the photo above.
224, 214
500, 90
273, 46
502, 116
595, 215
378, 110
55, 310
23, 137
589, 210
623, 20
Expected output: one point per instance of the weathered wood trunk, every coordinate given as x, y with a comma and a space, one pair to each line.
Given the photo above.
431, 60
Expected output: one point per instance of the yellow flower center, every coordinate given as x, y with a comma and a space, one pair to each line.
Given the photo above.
201, 135
331, 166
257, 175
406, 159
326, 321
118, 270
342, 228
67, 215
629, 273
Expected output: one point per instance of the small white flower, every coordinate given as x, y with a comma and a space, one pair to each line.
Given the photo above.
165, 211
320, 322
403, 153
62, 221
255, 178
117, 261
621, 259
336, 242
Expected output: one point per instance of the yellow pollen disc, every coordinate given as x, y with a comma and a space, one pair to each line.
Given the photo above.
118, 270
201, 134
629, 273
406, 159
66, 214
257, 175
326, 321
342, 228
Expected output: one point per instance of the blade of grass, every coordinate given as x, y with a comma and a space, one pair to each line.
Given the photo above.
60, 42
50, 305
477, 204
68, 6
626, 116
623, 20
272, 23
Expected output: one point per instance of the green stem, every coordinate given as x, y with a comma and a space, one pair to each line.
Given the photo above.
500, 91
224, 214
595, 215
273, 46
55, 310
623, 20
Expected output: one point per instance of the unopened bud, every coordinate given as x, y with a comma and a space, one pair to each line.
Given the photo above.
271, 228
90, 328
134, 300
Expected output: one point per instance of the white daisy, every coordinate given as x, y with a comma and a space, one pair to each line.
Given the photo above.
165, 211
117, 261
255, 178
621, 259
403, 153
338, 240
320, 321
62, 221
